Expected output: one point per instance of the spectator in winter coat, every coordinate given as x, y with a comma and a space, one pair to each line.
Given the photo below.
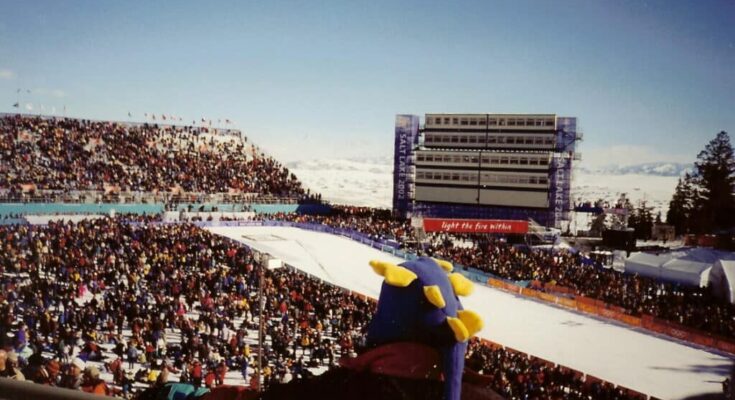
73, 377
6, 369
91, 382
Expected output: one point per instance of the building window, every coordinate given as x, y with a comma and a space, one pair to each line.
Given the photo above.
455, 121
514, 161
492, 139
511, 122
510, 140
523, 161
492, 121
550, 122
472, 139
420, 157
464, 121
504, 160
463, 139
473, 122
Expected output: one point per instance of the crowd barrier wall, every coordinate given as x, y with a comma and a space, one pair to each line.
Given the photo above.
154, 208
72, 208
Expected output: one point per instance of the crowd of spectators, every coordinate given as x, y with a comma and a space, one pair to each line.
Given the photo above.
114, 291
147, 303
73, 154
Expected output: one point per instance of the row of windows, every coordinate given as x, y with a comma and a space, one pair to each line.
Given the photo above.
480, 139
486, 159
469, 121
485, 178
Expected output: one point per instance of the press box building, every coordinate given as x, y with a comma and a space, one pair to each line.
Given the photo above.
495, 166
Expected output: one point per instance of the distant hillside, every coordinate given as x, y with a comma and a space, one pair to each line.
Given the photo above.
369, 181
655, 168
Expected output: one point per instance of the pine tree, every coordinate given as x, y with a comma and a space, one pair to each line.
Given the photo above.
641, 219
715, 177
683, 205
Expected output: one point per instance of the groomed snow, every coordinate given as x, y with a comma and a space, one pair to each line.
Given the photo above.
632, 358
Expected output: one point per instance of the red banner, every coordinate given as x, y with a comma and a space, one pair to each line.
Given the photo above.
475, 225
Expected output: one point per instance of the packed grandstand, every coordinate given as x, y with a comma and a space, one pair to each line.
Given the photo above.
120, 303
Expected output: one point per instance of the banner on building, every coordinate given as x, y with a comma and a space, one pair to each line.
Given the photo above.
406, 138
475, 225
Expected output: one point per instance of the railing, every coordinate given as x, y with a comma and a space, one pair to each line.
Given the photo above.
137, 197
24, 390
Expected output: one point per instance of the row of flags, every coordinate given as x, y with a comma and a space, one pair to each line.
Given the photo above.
147, 116
30, 107
41, 108
174, 118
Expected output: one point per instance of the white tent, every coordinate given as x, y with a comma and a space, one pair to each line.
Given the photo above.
722, 280
645, 264
689, 266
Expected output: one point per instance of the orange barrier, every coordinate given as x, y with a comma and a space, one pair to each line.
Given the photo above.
497, 283
566, 302
629, 319
511, 287
725, 345
585, 307
633, 394
703, 340
548, 297
530, 293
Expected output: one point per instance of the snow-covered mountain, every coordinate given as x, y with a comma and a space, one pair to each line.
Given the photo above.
369, 181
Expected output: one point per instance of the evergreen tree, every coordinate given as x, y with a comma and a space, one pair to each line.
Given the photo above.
641, 219
683, 206
715, 178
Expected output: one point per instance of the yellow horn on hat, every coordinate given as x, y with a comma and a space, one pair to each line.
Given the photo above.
461, 285
394, 275
446, 265
471, 320
434, 295
459, 329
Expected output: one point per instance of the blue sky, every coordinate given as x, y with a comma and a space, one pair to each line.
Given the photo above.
648, 80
